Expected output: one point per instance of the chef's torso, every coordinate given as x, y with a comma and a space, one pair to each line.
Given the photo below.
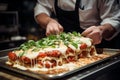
91, 12
88, 12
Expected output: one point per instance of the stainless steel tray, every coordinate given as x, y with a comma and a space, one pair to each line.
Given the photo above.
3, 59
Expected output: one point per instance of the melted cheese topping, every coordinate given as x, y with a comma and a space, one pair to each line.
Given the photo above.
32, 55
86, 40
61, 47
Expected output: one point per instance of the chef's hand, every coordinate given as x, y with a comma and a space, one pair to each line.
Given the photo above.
95, 33
53, 27
105, 31
48, 23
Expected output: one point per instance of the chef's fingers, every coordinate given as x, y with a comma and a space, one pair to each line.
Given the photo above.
48, 30
87, 31
57, 29
54, 29
60, 28
96, 37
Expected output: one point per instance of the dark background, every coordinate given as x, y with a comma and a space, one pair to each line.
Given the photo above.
25, 26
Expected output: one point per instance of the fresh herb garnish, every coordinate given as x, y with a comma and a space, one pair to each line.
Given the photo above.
52, 41
21, 54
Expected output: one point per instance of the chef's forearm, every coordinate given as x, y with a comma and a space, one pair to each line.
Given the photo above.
108, 30
43, 19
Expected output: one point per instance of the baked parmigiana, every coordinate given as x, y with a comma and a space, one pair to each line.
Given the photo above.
55, 52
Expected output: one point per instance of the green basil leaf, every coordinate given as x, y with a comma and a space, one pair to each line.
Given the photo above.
75, 45
21, 54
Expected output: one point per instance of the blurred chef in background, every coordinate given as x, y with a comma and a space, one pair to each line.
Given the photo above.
96, 19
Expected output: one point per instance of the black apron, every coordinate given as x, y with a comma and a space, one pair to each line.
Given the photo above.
69, 19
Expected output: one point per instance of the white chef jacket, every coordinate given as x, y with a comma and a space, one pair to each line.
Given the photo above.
95, 12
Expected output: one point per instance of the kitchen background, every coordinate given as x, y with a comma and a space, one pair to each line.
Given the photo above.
17, 23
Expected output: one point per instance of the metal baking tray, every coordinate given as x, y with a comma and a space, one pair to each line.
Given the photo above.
3, 58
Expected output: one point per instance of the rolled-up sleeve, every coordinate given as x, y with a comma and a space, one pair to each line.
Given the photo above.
110, 13
43, 6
